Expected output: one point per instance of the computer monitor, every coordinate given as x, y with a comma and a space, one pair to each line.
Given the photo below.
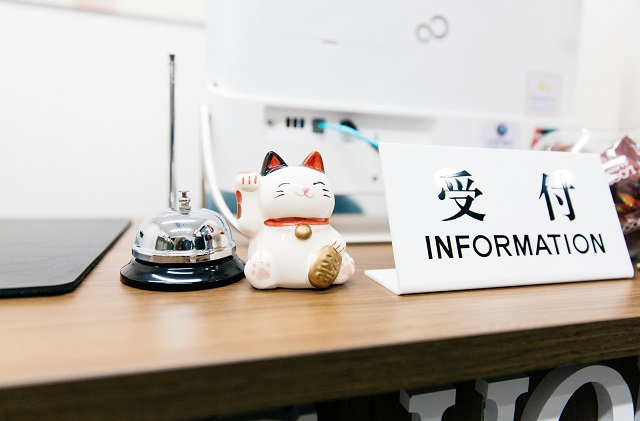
468, 73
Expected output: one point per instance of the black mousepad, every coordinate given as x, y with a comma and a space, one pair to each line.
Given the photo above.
50, 257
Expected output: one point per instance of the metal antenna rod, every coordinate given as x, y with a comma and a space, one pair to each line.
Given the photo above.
172, 125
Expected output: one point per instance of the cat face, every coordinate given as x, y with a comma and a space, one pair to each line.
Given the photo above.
302, 191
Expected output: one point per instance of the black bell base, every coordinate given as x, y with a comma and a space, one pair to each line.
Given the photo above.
182, 277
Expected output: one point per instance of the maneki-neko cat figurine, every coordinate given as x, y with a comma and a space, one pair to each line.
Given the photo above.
285, 213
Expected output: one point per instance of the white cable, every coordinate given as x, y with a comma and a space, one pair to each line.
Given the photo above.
209, 166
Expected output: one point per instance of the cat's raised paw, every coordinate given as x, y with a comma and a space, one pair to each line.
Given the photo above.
248, 181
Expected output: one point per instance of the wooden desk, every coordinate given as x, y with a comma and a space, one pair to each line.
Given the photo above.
107, 349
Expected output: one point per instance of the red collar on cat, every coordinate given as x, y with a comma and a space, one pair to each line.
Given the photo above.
293, 221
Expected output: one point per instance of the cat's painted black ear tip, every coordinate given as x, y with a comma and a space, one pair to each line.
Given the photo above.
272, 162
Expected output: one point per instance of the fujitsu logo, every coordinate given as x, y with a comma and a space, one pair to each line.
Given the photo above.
437, 28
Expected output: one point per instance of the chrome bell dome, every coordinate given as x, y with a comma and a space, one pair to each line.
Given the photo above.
183, 250
183, 236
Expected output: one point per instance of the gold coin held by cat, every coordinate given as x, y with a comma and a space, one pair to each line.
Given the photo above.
303, 232
325, 267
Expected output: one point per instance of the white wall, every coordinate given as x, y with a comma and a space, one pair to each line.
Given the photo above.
84, 112
192, 11
609, 75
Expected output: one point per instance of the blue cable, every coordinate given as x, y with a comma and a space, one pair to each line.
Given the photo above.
348, 131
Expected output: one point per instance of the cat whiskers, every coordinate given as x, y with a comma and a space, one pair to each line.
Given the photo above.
279, 195
325, 194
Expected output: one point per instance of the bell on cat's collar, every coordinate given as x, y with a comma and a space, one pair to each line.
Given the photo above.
183, 249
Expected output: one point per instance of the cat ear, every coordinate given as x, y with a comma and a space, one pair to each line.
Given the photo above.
314, 161
272, 162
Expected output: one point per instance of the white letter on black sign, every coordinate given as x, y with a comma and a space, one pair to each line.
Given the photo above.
428, 404
552, 394
500, 397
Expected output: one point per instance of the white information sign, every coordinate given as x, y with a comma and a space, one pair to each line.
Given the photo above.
464, 218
